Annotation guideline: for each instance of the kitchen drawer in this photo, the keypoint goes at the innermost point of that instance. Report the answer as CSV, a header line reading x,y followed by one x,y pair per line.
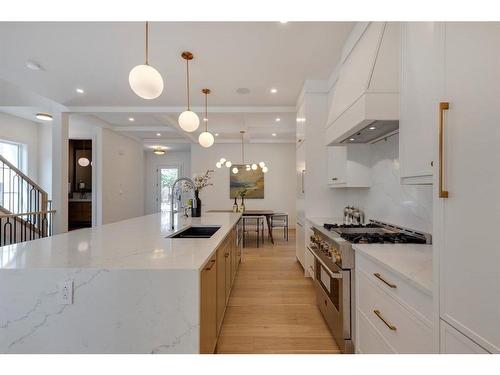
x,y
406,293
369,340
330,313
410,334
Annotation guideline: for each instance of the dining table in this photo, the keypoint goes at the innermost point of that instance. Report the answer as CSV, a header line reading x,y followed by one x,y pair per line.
x,y
266,213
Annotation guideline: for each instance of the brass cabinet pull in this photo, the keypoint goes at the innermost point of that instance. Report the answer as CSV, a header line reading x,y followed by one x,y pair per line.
x,y
212,262
390,326
443,106
378,276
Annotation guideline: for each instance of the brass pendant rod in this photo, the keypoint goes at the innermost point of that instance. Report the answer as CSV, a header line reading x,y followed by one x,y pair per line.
x,y
147,43
187,82
242,148
206,110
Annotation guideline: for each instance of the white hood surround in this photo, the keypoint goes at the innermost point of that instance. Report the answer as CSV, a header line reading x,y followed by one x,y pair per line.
x,y
367,90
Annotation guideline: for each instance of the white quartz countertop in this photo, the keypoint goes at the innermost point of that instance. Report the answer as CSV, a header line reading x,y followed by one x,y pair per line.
x,y
412,262
138,243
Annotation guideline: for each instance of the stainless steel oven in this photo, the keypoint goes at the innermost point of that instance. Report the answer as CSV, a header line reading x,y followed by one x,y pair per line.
x,y
333,296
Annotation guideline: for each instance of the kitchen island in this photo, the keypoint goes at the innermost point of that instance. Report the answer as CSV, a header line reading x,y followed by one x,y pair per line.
x,y
118,288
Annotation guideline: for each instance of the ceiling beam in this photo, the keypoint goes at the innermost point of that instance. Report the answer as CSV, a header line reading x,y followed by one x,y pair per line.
x,y
144,129
159,109
152,141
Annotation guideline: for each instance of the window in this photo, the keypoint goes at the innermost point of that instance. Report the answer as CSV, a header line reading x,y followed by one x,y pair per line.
x,y
12,152
167,176
9,184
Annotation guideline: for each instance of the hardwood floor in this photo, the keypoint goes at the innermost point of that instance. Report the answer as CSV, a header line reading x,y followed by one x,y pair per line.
x,y
272,308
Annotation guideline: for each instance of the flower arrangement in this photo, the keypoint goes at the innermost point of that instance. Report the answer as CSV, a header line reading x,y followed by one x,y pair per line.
x,y
200,182
242,192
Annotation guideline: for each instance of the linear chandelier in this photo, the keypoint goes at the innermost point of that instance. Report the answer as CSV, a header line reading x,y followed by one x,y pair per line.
x,y
248,166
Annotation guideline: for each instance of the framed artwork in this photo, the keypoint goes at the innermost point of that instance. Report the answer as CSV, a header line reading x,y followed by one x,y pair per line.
x,y
252,181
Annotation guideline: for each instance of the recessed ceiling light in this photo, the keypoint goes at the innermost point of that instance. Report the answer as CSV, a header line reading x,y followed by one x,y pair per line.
x,y
277,119
159,152
243,90
131,119
351,139
205,119
33,65
372,128
273,91
216,134
44,116
80,91
301,119
283,21
274,134
158,134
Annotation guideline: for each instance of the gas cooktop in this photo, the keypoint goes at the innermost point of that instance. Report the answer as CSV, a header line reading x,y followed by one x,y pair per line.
x,y
375,233
361,237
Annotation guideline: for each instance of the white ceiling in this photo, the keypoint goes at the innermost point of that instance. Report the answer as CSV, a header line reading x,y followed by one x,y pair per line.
x,y
97,57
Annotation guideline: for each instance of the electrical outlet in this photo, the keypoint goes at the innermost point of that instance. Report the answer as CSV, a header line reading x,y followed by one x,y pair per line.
x,y
66,292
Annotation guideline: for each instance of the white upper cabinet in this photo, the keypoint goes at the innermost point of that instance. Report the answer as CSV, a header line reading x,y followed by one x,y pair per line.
x,y
418,111
466,234
349,166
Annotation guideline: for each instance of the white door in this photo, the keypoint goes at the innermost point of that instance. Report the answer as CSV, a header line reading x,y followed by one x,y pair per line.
x,y
469,248
166,177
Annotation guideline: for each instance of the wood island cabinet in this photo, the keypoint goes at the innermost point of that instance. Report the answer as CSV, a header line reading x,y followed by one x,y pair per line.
x,y
216,278
208,317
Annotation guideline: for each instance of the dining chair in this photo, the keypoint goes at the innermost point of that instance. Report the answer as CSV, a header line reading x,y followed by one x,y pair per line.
x,y
253,224
280,220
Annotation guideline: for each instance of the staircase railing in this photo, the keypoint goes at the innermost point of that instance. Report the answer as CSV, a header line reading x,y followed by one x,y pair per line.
x,y
15,228
18,192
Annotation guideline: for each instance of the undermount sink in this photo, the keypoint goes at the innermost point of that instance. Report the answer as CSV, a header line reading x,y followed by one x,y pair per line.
x,y
196,232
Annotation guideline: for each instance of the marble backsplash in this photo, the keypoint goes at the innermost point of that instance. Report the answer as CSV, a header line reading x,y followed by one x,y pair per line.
x,y
387,200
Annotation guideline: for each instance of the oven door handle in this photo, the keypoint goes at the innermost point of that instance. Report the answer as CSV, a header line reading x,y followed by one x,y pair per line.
x,y
333,275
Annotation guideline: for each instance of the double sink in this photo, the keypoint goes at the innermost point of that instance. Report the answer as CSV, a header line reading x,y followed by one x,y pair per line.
x,y
196,232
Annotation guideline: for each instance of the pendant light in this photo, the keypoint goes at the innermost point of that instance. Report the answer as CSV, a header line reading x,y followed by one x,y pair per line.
x,y
145,80
188,120
83,161
206,138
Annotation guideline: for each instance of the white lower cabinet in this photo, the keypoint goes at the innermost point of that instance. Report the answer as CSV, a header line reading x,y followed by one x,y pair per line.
x,y
387,322
309,257
453,342
300,242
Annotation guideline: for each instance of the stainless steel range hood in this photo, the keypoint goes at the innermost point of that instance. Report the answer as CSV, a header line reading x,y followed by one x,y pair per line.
x,y
365,103
373,132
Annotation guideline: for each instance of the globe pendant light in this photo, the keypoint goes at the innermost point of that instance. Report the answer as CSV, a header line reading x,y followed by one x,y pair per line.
x,y
206,138
83,161
188,120
145,80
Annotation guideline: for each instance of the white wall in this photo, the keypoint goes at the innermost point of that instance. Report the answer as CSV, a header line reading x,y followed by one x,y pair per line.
x,y
279,182
122,177
118,170
152,163
45,157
